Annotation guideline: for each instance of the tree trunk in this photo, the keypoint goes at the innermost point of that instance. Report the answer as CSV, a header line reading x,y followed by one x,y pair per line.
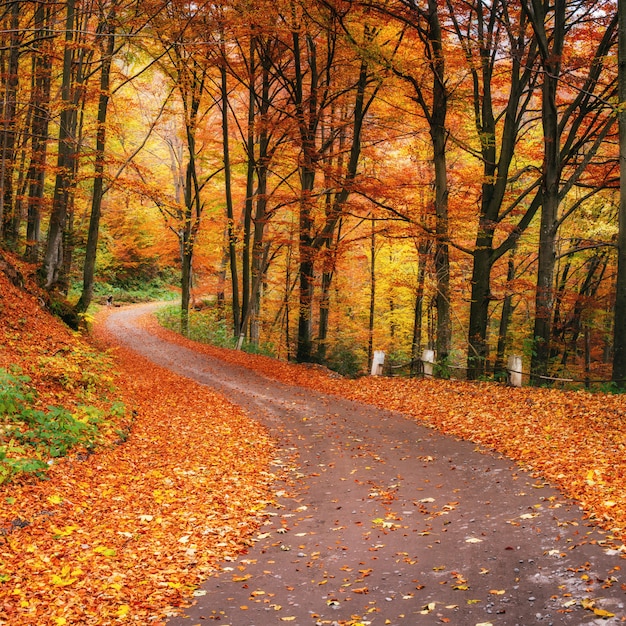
x,y
306,269
619,327
322,335
416,347
53,258
40,104
306,252
230,214
505,321
550,50
246,253
372,315
108,30
9,111
438,134
193,206
478,348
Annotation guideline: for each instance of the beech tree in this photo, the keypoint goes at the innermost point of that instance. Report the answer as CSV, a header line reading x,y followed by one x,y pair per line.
x,y
329,93
107,27
619,332
40,121
9,120
484,32
572,136
421,26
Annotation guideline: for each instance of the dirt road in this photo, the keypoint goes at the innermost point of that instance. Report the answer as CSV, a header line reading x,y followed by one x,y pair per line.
x,y
383,521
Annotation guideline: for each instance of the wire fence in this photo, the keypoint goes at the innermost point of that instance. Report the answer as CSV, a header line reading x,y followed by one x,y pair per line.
x,y
419,368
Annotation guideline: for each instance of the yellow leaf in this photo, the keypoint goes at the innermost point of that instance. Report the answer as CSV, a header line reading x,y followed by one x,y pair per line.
x,y
287,619
498,592
241,579
55,499
123,610
603,613
59,581
68,530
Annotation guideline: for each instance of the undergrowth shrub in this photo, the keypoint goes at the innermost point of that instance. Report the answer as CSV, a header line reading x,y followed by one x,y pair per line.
x,y
204,326
30,437
207,326
155,289
78,369
345,359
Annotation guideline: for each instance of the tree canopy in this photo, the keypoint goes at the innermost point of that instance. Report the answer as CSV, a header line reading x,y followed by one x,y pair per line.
x,y
331,177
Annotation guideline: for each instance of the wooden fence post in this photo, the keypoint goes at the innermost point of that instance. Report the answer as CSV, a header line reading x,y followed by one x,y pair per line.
x,y
428,361
378,361
514,370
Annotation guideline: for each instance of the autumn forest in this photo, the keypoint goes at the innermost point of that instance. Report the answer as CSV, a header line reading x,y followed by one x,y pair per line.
x,y
324,178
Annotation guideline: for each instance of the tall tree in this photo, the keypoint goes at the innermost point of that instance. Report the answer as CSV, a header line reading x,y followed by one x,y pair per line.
x,y
484,31
573,132
230,211
422,30
551,51
619,327
183,33
9,123
78,68
66,160
40,121
107,48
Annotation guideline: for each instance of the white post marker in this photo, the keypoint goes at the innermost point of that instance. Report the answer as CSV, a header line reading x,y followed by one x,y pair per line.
x,y
378,361
514,369
428,361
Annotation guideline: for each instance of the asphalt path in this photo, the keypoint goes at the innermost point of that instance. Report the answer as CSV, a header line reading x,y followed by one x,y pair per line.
x,y
380,520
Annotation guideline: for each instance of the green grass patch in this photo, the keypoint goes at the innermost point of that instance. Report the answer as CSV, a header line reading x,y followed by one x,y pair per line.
x,y
208,326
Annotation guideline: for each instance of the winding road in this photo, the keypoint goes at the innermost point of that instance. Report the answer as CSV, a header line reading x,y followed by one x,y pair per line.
x,y
383,521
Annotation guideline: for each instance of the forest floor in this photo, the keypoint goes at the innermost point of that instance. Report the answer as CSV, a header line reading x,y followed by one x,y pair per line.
x,y
113,536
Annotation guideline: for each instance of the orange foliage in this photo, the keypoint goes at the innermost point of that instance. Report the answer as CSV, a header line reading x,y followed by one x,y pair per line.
x,y
130,531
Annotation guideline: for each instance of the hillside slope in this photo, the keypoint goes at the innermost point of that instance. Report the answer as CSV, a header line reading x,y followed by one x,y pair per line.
x,y
126,529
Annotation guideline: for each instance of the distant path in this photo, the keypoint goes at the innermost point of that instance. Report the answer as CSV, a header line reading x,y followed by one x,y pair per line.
x,y
383,521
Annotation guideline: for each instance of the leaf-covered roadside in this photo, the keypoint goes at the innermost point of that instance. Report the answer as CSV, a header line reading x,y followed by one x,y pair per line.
x,y
56,390
575,440
128,532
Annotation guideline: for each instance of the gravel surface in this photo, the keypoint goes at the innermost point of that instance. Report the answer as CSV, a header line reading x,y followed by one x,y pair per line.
x,y
382,521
